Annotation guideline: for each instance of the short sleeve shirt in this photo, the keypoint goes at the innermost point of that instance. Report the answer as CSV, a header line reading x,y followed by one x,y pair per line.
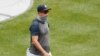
x,y
40,29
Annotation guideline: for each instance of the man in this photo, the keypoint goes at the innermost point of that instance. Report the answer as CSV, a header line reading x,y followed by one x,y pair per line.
x,y
39,44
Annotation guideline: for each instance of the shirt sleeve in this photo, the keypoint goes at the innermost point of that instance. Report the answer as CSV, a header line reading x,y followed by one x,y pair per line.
x,y
34,29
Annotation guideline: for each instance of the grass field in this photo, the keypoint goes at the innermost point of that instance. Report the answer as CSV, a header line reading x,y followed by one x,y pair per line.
x,y
74,25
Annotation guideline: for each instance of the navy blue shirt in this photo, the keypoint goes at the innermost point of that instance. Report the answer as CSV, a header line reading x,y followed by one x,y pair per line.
x,y
34,29
40,29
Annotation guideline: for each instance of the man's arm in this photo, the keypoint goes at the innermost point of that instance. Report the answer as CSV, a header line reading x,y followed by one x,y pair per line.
x,y
38,46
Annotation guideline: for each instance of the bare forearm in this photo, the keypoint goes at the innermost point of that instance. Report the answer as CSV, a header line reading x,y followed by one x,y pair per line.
x,y
39,47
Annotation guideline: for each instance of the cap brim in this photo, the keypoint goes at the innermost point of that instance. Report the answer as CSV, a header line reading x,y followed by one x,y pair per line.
x,y
47,9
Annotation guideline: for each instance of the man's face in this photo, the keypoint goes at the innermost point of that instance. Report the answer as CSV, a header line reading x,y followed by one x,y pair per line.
x,y
44,13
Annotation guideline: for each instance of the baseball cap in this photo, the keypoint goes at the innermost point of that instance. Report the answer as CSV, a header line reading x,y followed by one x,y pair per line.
x,y
42,8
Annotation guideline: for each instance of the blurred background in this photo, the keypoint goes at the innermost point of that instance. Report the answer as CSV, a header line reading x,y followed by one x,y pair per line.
x,y
74,25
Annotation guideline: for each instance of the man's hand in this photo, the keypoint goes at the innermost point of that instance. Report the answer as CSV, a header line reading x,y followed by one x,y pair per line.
x,y
46,54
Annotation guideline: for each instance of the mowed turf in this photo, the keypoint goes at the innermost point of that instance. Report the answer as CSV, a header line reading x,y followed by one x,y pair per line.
x,y
74,25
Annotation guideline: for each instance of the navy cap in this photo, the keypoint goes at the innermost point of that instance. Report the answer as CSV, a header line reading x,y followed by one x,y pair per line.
x,y
41,8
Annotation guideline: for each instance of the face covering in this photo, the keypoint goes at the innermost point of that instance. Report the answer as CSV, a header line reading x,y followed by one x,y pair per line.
x,y
43,18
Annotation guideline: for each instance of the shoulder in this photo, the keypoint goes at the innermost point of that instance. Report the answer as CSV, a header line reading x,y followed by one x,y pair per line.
x,y
35,23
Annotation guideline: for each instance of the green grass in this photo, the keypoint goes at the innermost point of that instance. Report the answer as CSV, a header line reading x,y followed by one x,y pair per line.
x,y
74,25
